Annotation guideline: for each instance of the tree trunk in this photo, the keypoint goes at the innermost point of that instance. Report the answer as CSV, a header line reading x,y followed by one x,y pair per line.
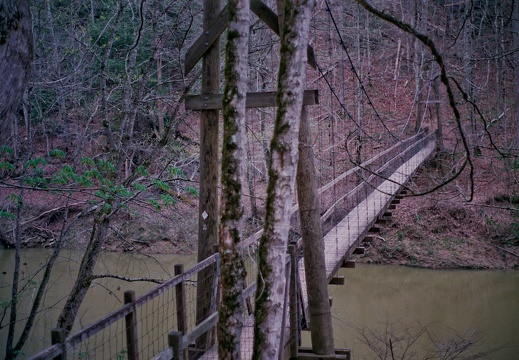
x,y
282,170
515,30
16,53
230,321
86,270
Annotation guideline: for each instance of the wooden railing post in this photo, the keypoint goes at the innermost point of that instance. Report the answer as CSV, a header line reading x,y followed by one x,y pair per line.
x,y
57,336
180,297
132,339
175,341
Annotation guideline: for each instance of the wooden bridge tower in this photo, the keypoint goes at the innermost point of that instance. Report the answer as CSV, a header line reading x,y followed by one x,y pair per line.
x,y
209,103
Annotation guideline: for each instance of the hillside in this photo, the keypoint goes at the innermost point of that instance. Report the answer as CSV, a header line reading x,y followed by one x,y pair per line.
x,y
105,129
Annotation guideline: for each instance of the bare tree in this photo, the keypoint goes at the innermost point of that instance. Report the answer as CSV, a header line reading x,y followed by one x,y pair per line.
x,y
230,320
515,30
282,171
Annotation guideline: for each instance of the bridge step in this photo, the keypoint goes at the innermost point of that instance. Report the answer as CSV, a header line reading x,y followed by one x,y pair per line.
x,y
305,353
348,264
395,202
388,214
391,207
374,229
368,239
361,250
337,280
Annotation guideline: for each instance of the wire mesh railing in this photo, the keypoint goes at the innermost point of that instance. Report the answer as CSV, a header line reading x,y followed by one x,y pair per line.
x,y
163,323
140,328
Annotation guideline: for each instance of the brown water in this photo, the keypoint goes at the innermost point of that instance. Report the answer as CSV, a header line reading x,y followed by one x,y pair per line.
x,y
442,300
106,295
372,297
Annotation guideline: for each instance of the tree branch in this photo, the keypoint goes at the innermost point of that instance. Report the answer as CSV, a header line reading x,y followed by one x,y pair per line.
x,y
427,41
127,279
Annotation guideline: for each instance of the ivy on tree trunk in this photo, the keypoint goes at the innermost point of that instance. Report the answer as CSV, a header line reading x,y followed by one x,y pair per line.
x,y
233,156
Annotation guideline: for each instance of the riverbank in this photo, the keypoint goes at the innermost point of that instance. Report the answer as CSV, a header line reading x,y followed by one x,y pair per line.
x,y
441,234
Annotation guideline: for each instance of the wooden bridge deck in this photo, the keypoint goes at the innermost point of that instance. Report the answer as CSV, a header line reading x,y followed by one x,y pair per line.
x,y
344,238
340,241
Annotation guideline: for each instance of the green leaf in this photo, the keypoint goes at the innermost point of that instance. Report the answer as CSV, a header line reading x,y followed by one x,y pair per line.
x,y
6,166
123,192
103,195
139,186
143,171
35,162
6,215
161,185
155,203
107,208
193,191
6,150
168,200
36,181
15,198
176,172
88,161
57,153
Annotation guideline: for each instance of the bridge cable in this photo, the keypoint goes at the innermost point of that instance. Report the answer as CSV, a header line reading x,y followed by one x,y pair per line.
x,y
354,70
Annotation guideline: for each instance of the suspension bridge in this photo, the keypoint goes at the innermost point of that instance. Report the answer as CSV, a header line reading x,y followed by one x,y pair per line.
x,y
162,324
177,320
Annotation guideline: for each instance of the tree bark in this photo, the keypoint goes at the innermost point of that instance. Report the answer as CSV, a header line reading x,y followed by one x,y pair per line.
x,y
515,30
16,54
86,270
233,164
282,170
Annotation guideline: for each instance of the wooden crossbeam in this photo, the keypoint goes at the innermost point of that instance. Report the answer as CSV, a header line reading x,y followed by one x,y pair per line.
x,y
206,40
254,100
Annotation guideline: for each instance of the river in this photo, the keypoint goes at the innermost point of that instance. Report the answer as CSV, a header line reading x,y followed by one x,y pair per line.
x,y
374,298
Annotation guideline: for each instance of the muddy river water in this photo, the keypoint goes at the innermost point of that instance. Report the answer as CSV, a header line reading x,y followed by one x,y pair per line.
x,y
375,299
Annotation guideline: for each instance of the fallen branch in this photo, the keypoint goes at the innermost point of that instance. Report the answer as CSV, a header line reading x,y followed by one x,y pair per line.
x,y
508,251
124,278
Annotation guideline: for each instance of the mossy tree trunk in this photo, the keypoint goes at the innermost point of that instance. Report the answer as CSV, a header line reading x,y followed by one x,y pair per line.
x,y
282,170
233,157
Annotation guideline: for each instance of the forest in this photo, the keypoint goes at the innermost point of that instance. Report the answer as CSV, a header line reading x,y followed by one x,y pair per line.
x,y
101,152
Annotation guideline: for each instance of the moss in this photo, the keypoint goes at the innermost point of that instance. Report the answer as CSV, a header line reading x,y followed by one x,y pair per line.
x,y
233,273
